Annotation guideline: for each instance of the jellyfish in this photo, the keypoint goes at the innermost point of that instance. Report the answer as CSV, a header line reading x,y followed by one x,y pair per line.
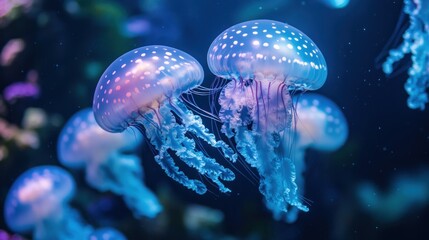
x,y
38,201
318,124
106,233
336,3
264,60
143,88
407,192
82,143
415,42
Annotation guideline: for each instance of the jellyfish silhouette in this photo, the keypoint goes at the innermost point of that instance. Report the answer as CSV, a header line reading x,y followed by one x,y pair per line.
x,y
106,234
416,43
318,124
264,60
38,201
82,143
335,3
143,88
407,192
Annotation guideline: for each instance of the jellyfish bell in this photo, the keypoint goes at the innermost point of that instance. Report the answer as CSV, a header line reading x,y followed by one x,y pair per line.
x,y
141,80
82,141
38,201
37,195
319,124
142,88
264,60
268,50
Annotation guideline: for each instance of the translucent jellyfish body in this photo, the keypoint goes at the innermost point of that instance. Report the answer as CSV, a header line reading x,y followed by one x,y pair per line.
x,y
318,124
106,234
108,161
264,59
142,88
408,192
38,201
335,3
415,42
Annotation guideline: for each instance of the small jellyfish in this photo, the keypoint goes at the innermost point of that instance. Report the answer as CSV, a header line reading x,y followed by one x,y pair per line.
x,y
264,60
336,3
82,143
38,201
143,88
318,124
407,192
416,43
106,234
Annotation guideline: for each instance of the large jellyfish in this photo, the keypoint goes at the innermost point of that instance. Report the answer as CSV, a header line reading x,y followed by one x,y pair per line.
x,y
38,201
318,124
82,143
416,43
264,60
106,234
143,88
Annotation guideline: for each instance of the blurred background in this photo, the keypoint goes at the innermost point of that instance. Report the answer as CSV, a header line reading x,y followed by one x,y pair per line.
x,y
375,187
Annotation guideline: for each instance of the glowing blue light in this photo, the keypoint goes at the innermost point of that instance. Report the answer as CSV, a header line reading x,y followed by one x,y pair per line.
x,y
264,59
143,88
416,43
336,3
318,124
38,201
82,143
407,192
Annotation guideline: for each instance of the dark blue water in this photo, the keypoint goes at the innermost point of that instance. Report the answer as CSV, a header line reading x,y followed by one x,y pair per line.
x,y
69,48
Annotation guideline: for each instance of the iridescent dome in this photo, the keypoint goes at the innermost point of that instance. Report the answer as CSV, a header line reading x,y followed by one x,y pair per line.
x,y
82,141
141,79
37,194
267,49
319,122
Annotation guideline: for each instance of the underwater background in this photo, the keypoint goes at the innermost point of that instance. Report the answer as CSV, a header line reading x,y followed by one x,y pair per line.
x,y
376,186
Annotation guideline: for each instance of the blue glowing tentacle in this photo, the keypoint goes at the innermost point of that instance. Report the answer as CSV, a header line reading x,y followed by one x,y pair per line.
x,y
246,146
272,118
415,42
122,174
164,159
278,185
397,54
127,171
194,124
171,136
418,80
235,115
297,157
67,225
405,48
267,104
184,148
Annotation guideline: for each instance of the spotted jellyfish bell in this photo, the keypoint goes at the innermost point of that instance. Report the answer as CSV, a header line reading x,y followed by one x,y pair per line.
x,y
38,202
